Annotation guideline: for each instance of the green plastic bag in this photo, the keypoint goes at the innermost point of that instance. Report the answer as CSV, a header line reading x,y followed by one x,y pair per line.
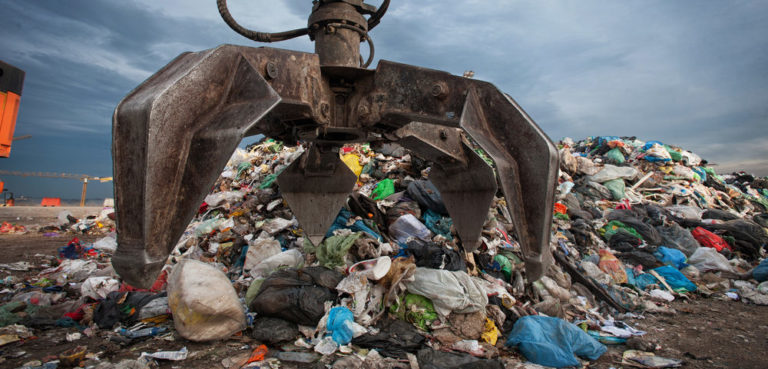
x,y
383,189
506,265
415,309
674,154
331,252
613,226
617,188
615,155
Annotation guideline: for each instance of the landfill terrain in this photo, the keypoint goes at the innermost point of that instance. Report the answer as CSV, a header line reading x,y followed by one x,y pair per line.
x,y
659,261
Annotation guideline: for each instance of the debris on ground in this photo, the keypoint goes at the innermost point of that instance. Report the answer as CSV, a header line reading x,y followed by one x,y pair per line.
x,y
637,225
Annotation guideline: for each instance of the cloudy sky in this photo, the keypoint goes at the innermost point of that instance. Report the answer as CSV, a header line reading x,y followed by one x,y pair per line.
x,y
690,73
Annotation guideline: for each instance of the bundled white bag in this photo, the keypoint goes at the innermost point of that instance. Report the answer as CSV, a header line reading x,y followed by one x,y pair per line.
x,y
204,304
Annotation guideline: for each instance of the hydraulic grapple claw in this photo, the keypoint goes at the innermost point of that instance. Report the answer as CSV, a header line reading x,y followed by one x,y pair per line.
x,y
173,134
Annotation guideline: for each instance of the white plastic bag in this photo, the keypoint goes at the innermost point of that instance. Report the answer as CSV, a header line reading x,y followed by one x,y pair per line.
x,y
291,258
259,250
408,226
98,288
449,291
610,172
204,304
219,198
707,258
107,244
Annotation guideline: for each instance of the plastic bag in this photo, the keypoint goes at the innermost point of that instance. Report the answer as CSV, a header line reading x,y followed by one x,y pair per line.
x,y
296,295
415,309
611,265
617,188
291,258
408,226
611,172
449,291
615,155
671,257
675,279
427,195
679,238
353,162
430,255
760,273
333,250
224,197
98,288
383,189
274,330
339,325
553,342
107,244
259,250
707,259
204,304
438,224
709,239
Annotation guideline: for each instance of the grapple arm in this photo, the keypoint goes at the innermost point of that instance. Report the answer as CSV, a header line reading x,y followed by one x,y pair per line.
x,y
174,133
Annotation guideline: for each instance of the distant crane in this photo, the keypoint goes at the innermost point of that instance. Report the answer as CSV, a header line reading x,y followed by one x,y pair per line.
x,y
82,177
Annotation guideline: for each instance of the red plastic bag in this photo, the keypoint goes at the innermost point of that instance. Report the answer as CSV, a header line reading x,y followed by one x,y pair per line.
x,y
560,208
709,239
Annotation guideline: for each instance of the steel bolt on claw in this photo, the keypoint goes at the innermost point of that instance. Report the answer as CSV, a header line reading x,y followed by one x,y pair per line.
x,y
174,133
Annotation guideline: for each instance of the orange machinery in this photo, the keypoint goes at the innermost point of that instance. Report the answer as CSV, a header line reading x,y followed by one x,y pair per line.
x,y
11,82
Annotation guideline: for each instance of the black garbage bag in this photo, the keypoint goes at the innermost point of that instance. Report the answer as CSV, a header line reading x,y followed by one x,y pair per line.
x,y
650,235
427,195
122,307
638,257
274,330
582,232
395,339
718,214
297,295
677,237
655,215
624,241
431,359
404,206
431,255
750,236
365,207
761,219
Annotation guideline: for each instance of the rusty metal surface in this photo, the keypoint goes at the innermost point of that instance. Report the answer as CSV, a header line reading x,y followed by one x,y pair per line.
x,y
315,187
174,133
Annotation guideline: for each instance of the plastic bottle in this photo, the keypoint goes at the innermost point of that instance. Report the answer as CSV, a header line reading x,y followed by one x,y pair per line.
x,y
142,332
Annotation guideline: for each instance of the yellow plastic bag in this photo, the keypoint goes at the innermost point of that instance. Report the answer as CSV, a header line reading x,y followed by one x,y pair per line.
x,y
353,162
490,332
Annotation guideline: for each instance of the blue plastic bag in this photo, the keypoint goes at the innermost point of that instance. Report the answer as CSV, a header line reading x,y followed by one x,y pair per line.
x,y
671,257
645,279
339,319
357,226
552,341
760,273
675,279
438,224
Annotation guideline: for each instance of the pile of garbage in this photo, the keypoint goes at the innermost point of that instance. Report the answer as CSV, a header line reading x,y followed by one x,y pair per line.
x,y
637,225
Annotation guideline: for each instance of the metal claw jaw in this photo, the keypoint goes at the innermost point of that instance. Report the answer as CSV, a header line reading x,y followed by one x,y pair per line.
x,y
174,133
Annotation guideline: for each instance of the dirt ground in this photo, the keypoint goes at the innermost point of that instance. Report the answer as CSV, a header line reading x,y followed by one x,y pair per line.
x,y
706,333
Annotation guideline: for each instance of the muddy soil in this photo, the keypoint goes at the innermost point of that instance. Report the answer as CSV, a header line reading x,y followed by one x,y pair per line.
x,y
705,333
